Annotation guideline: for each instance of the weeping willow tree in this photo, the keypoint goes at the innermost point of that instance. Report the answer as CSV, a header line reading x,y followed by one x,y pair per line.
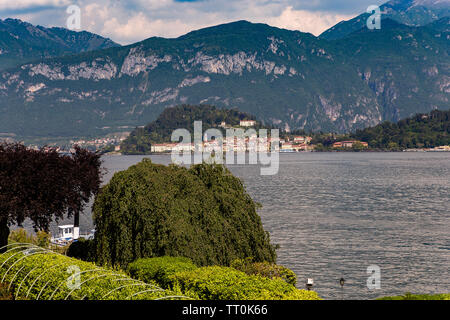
x,y
203,213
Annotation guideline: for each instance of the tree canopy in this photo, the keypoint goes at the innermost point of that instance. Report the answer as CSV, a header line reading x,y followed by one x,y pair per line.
x,y
203,213
419,131
424,130
43,185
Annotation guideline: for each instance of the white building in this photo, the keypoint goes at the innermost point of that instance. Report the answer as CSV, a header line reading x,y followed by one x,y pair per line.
x,y
163,147
247,123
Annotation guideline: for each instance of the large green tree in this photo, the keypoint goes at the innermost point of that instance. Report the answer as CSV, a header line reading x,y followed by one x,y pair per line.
x,y
203,213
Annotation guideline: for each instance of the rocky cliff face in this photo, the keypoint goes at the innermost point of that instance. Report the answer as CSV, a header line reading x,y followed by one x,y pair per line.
x,y
287,78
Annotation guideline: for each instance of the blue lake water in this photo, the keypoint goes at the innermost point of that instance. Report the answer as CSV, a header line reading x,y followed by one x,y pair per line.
x,y
335,214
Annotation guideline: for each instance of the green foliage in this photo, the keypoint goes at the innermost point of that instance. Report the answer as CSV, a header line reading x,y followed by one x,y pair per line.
x,y
38,275
82,249
159,269
184,116
427,130
409,296
358,146
265,269
203,213
20,235
43,239
420,131
225,283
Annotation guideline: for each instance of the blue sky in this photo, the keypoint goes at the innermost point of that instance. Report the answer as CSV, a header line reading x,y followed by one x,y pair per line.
x,y
128,21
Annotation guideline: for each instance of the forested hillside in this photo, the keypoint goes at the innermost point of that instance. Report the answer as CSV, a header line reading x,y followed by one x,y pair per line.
x,y
420,131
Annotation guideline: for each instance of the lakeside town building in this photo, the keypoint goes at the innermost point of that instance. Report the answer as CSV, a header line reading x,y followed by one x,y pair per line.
x,y
349,144
247,144
247,123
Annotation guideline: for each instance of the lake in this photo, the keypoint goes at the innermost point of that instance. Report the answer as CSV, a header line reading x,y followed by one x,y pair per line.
x,y
336,214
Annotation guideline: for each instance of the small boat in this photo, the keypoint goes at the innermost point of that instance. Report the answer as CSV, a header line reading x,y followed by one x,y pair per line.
x,y
68,234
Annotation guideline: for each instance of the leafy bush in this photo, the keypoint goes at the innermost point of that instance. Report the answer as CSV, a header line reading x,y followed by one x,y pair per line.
x,y
203,213
20,235
265,269
40,274
42,239
225,283
159,269
409,296
82,249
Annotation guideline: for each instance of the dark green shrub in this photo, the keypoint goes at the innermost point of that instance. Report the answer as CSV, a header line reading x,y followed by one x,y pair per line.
x,y
82,249
225,283
265,269
159,269
203,213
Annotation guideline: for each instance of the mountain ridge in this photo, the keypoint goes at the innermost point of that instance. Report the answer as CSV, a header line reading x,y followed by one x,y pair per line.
x,y
23,42
286,78
408,12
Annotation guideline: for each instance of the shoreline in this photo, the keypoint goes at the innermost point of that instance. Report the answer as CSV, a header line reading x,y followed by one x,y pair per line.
x,y
297,152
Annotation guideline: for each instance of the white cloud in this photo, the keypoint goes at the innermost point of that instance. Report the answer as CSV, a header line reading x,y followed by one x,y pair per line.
x,y
135,20
131,26
23,4
306,21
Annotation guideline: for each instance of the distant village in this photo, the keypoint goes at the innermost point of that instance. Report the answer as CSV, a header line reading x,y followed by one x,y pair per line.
x,y
111,143
289,143
286,144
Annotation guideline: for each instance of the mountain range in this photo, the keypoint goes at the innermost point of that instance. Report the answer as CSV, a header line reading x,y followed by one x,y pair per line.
x,y
21,42
286,78
409,12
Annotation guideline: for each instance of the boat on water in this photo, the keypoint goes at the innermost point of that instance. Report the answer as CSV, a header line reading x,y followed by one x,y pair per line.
x,y
68,234
288,151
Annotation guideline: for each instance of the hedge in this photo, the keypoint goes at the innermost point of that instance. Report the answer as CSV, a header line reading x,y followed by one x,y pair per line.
x,y
36,273
409,296
225,283
265,269
159,269
83,250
